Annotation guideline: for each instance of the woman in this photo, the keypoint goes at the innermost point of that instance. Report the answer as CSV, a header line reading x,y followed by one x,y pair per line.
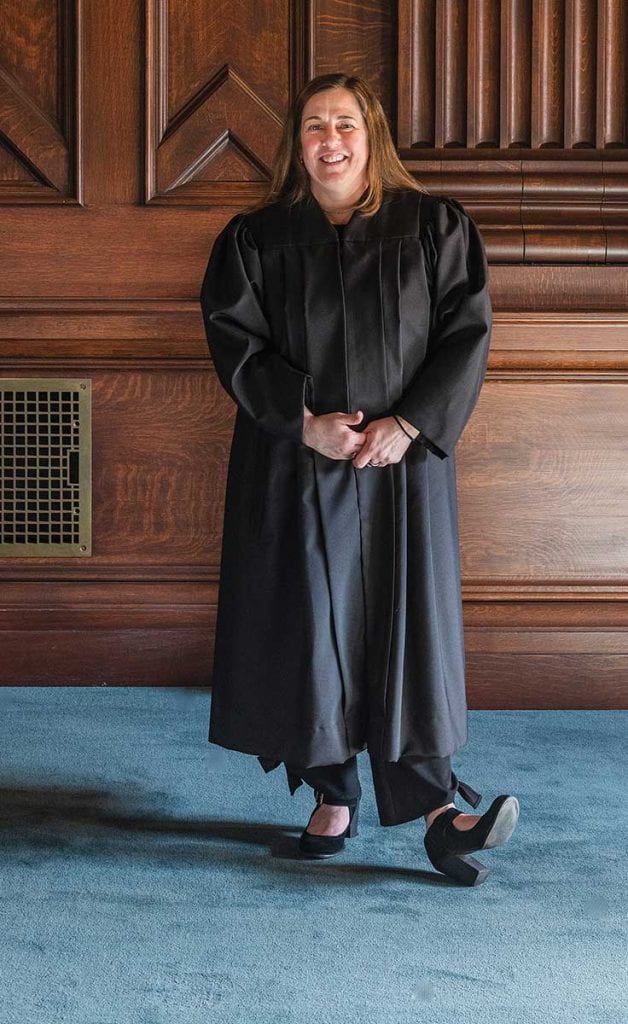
x,y
348,317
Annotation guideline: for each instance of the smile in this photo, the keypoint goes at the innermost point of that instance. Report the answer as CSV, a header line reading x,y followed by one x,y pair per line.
x,y
333,159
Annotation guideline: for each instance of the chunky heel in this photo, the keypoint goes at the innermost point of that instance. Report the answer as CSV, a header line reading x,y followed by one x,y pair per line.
x,y
462,868
449,848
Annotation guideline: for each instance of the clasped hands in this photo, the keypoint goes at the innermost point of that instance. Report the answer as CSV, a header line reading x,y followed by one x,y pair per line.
x,y
379,444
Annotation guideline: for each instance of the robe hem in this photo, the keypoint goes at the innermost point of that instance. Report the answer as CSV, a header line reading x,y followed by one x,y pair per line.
x,y
242,749
282,757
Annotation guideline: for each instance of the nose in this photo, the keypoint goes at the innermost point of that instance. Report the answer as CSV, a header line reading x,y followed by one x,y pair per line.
x,y
331,136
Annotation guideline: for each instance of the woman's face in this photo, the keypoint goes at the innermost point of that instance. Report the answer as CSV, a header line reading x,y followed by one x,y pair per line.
x,y
334,144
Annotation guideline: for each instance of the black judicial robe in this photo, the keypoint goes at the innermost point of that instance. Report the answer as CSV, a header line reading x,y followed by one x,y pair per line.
x,y
339,623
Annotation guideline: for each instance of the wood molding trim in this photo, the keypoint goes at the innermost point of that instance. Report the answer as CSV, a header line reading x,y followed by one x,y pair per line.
x,y
519,111
161,634
170,336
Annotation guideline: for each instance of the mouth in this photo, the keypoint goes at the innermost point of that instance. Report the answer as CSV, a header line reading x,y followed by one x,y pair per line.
x,y
337,158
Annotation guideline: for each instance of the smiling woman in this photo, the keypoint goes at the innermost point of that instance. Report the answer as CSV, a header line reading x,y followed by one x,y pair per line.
x,y
355,364
335,151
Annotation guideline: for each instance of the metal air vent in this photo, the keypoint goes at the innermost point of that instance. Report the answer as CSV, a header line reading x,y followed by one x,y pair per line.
x,y
45,467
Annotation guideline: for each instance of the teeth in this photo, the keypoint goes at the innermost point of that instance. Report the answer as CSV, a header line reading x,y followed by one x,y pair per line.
x,y
332,159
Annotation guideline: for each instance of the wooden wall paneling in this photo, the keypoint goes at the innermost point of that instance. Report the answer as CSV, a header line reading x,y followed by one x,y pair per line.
x,y
213,114
536,343
548,72
451,76
575,652
546,652
516,108
40,102
159,442
552,677
549,147
612,63
580,74
173,656
552,512
357,39
97,333
106,633
560,214
515,62
416,74
555,315
558,312
484,75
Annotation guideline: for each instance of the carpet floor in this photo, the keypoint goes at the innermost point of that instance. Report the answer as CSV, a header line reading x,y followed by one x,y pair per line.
x,y
149,877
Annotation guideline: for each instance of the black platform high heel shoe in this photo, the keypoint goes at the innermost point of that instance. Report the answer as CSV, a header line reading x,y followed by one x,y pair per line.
x,y
327,846
448,847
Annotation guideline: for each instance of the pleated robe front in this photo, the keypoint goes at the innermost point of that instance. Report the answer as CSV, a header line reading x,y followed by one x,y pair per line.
x,y
339,622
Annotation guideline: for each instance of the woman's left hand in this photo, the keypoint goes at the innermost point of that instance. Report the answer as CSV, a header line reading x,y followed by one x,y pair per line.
x,y
385,443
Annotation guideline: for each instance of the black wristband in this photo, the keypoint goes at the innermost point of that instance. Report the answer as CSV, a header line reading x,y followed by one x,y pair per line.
x,y
404,429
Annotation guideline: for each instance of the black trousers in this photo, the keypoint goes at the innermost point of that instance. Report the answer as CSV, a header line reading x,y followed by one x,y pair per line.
x,y
404,790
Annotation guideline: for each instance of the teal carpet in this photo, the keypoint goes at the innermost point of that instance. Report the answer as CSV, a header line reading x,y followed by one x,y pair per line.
x,y
148,877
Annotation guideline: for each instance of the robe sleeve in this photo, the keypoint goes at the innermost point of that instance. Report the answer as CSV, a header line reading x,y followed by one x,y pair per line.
x,y
442,395
255,375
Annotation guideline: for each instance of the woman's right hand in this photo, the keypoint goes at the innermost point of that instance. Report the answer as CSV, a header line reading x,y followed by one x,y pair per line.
x,y
331,433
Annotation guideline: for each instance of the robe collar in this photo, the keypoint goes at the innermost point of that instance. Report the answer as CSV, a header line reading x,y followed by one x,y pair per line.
x,y
311,223
314,208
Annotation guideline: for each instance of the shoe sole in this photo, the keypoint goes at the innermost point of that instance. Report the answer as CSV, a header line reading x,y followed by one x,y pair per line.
x,y
504,824
323,854
318,856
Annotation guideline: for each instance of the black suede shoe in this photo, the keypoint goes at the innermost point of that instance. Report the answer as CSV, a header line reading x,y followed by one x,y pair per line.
x,y
448,847
319,847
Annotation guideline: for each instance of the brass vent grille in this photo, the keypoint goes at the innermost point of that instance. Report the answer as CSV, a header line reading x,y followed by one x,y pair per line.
x,y
45,467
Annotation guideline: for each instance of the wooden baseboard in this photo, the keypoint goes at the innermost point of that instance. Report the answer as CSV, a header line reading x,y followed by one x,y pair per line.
x,y
106,634
519,655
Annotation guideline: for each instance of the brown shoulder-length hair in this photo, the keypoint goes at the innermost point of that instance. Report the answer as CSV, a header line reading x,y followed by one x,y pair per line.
x,y
291,181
